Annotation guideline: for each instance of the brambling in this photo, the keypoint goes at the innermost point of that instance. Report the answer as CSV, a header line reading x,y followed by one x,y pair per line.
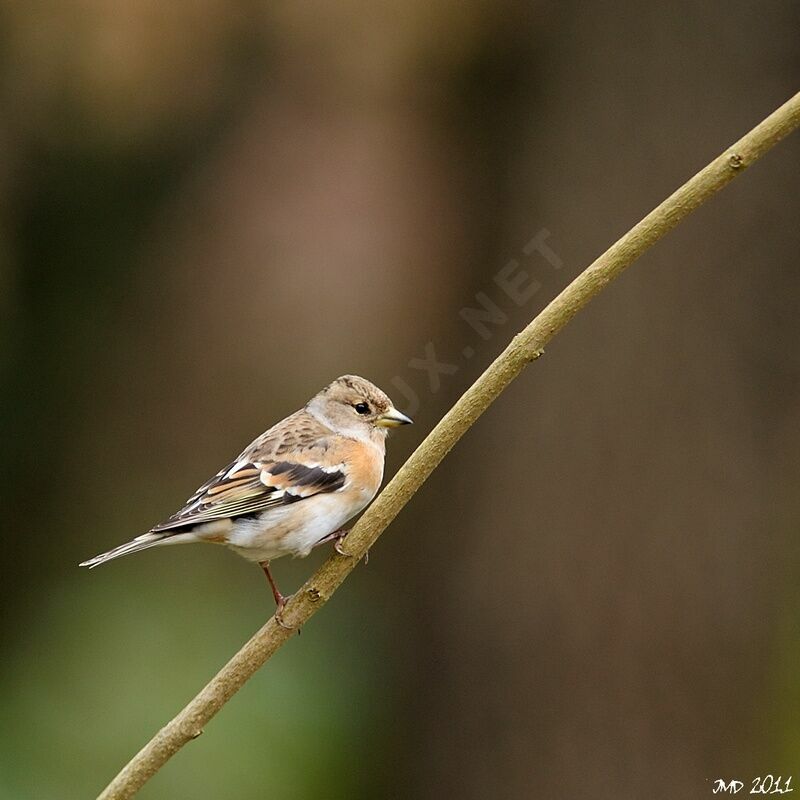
x,y
292,488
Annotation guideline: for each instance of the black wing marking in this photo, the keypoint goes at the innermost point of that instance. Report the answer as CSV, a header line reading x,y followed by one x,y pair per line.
x,y
251,487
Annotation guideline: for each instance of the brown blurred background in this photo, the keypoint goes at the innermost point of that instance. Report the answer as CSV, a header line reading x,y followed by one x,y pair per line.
x,y
210,209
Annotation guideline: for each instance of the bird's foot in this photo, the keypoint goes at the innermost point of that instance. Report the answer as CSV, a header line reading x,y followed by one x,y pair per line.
x,y
337,546
337,542
281,603
280,600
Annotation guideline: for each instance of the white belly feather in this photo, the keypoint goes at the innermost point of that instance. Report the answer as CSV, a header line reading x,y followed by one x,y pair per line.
x,y
294,529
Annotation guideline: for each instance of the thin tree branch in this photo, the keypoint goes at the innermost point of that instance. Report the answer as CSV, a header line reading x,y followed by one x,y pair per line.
x,y
524,348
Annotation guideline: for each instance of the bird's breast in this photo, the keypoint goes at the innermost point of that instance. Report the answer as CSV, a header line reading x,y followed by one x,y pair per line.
x,y
364,468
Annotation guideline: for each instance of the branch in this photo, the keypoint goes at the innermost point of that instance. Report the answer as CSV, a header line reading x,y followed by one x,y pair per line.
x,y
525,347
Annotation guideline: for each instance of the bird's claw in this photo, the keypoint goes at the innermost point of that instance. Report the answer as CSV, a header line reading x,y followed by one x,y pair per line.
x,y
337,545
279,614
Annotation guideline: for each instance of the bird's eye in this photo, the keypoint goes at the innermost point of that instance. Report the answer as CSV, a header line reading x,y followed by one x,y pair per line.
x,y
361,408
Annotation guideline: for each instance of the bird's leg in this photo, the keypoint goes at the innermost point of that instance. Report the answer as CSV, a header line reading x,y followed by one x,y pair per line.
x,y
337,541
338,537
335,537
280,600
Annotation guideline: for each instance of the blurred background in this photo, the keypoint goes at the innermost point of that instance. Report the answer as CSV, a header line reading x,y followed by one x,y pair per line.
x,y
208,210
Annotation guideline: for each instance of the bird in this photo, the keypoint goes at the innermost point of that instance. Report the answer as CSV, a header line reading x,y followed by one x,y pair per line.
x,y
293,487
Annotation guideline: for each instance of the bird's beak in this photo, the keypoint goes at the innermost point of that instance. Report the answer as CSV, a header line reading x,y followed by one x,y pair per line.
x,y
392,418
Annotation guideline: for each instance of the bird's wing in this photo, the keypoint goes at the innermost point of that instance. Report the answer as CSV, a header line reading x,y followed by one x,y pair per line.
x,y
286,464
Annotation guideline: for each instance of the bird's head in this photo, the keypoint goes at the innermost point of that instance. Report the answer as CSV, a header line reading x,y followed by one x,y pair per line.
x,y
352,406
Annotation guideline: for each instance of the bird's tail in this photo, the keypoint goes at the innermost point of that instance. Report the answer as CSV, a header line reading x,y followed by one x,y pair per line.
x,y
139,543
